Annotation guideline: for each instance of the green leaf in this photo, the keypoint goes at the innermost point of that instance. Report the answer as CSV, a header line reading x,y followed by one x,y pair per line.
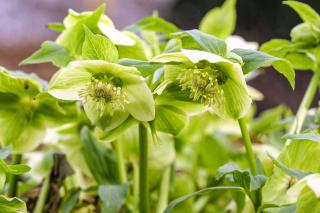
x,y
100,160
267,120
56,26
276,47
17,169
98,47
11,205
49,52
299,59
252,185
302,60
153,24
304,136
220,21
173,45
73,36
289,171
69,201
206,42
254,59
306,13
146,68
291,208
172,204
113,197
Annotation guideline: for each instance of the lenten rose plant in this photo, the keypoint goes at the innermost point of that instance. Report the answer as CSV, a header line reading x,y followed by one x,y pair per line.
x,y
153,118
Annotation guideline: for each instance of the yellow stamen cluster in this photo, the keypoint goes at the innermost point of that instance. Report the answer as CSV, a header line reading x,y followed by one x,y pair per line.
x,y
107,97
202,83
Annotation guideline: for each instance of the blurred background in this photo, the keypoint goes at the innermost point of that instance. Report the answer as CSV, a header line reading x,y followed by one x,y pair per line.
x,y
23,29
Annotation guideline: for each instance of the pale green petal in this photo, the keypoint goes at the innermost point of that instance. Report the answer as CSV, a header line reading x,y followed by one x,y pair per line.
x,y
103,119
235,101
25,131
116,36
18,86
67,83
255,94
196,55
73,36
173,96
139,50
170,119
172,58
141,104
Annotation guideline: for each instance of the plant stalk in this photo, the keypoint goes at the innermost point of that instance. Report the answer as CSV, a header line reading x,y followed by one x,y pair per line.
x,y
120,161
305,103
164,191
39,208
13,180
248,145
136,170
143,172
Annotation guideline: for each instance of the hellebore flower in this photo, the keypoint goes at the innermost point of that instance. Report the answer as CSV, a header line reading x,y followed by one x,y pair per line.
x,y
109,92
25,111
73,35
208,79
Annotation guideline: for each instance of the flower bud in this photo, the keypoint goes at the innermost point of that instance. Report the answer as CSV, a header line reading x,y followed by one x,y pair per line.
x,y
305,32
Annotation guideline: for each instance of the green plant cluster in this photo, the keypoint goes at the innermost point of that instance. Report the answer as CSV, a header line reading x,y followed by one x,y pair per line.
x,y
158,119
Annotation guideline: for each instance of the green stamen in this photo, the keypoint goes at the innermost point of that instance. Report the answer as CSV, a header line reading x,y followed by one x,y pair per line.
x,y
108,97
203,83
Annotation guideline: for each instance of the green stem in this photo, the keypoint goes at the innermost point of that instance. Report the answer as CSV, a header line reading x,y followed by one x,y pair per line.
x,y
305,103
143,174
120,161
13,180
42,196
164,191
135,166
248,145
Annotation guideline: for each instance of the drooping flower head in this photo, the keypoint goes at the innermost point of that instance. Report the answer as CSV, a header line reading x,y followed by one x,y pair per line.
x,y
208,79
26,111
109,92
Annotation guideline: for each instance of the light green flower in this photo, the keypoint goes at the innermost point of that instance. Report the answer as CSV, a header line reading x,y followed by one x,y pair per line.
x,y
208,79
109,92
25,111
72,36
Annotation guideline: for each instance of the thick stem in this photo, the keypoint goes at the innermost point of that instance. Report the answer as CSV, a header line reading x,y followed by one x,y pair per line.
x,y
39,208
13,180
305,103
143,174
248,145
120,161
164,191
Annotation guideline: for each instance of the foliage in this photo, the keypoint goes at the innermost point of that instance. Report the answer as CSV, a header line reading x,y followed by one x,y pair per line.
x,y
149,118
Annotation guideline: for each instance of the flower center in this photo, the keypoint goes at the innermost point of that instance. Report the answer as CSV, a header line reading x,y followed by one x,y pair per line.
x,y
203,83
108,97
